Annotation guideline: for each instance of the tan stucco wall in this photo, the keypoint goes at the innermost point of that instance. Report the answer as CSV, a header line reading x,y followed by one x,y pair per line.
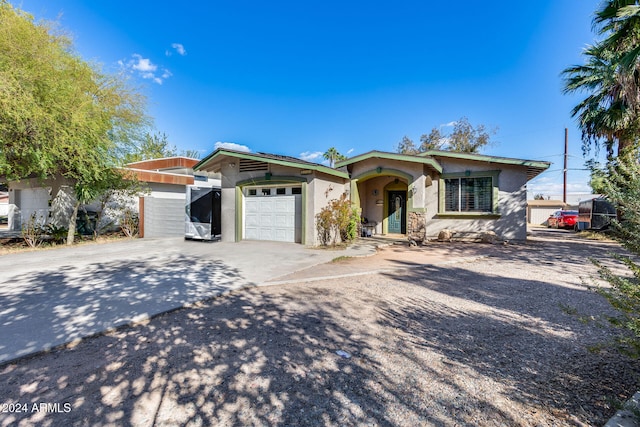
x,y
414,171
322,189
317,185
509,222
512,202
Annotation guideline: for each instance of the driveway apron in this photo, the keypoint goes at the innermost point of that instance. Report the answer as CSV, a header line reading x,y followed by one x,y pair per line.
x,y
53,297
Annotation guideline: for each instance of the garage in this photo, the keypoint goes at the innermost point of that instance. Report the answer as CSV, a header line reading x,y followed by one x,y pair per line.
x,y
273,213
163,216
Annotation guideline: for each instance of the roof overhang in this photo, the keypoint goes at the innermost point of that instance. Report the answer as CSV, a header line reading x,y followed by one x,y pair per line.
x,y
534,167
214,162
429,161
160,177
164,163
546,203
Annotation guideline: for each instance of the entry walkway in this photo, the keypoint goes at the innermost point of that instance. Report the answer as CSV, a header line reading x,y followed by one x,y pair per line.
x,y
53,297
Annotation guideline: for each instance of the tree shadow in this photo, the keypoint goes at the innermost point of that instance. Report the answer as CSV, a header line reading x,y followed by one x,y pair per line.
x,y
256,357
430,345
47,308
520,331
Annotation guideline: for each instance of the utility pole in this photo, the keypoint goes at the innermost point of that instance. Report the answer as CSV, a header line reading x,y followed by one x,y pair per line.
x,y
566,149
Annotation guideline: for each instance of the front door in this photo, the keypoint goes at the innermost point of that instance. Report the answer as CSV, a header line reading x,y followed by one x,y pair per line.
x,y
397,216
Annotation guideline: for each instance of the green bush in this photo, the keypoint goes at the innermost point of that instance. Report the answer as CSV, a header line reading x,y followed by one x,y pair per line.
x,y
55,233
337,220
622,187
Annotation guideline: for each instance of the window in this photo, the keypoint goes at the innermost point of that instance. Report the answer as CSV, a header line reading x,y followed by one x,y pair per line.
x,y
281,191
266,191
296,190
252,192
468,194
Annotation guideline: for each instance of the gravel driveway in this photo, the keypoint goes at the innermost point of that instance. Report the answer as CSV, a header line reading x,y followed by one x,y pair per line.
x,y
442,335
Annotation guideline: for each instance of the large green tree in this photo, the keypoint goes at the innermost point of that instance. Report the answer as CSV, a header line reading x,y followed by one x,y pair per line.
x,y
152,146
156,146
59,115
407,146
464,138
610,115
610,77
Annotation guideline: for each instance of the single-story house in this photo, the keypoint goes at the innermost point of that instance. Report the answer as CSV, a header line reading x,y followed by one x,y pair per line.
x,y
161,209
273,197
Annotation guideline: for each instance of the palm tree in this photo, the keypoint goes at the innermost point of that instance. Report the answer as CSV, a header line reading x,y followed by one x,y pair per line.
x,y
333,156
611,111
604,114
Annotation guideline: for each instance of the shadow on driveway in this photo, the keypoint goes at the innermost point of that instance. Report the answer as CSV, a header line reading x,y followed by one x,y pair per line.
x,y
41,310
482,343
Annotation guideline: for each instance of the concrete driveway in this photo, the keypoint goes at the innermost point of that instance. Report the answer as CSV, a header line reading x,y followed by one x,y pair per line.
x,y
52,297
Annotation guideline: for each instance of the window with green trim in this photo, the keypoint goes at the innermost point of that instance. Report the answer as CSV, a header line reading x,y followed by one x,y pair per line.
x,y
468,194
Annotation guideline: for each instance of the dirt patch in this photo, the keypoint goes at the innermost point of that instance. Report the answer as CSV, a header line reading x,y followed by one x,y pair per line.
x,y
483,338
10,245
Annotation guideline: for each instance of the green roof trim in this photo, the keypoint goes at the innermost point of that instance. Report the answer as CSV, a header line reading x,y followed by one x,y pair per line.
x,y
534,167
392,156
485,158
270,158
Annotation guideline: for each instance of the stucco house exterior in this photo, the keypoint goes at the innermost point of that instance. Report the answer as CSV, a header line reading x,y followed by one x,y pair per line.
x,y
272,197
161,207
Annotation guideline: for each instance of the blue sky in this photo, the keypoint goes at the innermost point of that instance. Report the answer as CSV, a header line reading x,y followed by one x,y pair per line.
x,y
296,78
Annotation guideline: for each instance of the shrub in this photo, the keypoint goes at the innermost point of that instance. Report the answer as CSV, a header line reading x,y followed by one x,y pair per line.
x,y
622,187
32,231
337,220
129,223
55,233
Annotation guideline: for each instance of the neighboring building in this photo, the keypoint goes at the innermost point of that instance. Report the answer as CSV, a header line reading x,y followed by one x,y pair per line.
x,y
538,211
271,197
4,208
161,209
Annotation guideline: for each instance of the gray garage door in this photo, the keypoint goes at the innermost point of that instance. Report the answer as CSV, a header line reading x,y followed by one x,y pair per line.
x,y
273,217
164,217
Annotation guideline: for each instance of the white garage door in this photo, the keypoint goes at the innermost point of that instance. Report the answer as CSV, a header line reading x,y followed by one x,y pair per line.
x,y
276,218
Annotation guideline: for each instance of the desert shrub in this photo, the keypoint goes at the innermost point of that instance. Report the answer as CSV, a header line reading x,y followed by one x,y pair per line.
x,y
325,225
55,233
622,187
337,220
129,223
32,230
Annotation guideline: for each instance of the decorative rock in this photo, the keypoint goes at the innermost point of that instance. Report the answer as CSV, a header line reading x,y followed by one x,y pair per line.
x,y
446,235
489,237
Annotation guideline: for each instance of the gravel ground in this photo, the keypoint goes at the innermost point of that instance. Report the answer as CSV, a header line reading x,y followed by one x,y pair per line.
x,y
496,338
